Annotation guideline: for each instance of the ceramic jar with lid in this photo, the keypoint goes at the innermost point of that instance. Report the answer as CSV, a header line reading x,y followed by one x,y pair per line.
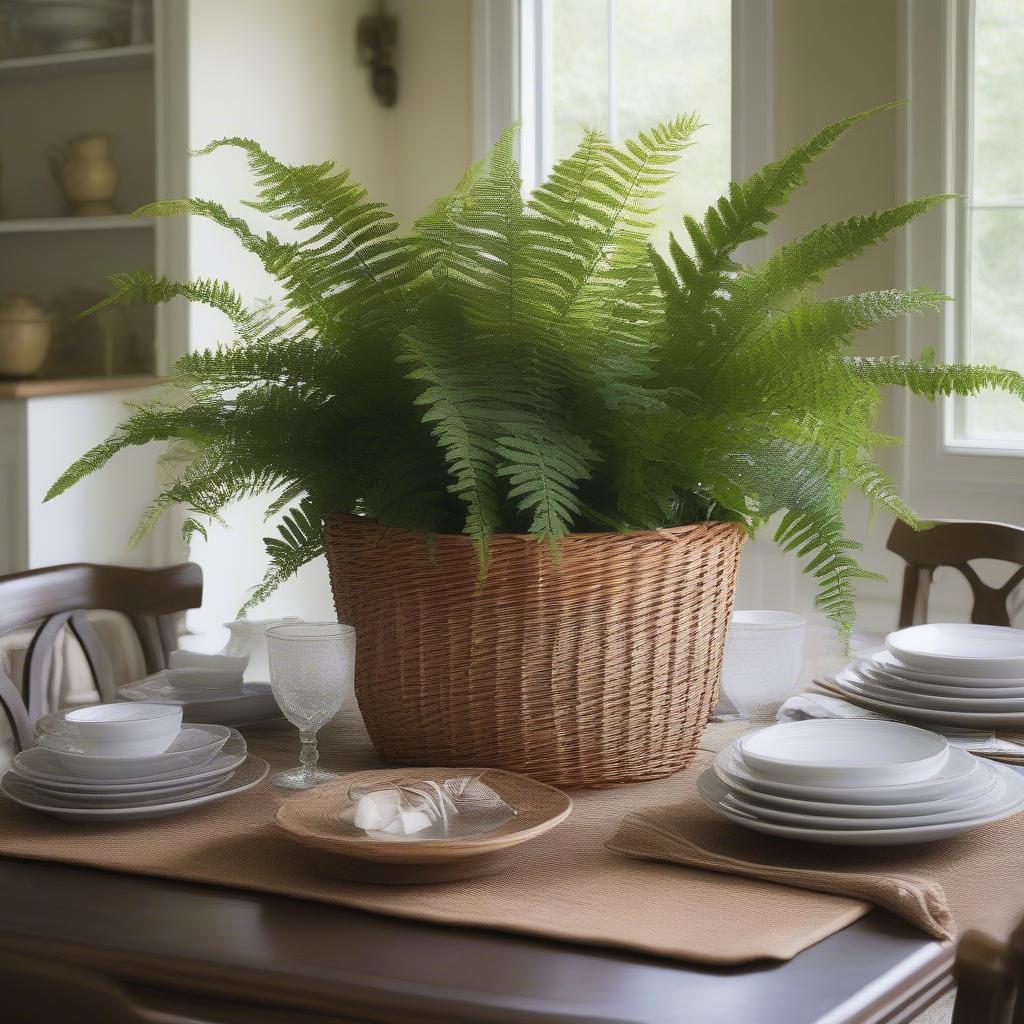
x,y
25,333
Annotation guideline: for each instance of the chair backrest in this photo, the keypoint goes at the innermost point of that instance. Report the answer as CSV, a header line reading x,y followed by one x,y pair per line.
x,y
956,543
30,991
986,982
59,596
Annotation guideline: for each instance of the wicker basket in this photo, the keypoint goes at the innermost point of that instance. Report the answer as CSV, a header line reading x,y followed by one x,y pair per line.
x,y
596,670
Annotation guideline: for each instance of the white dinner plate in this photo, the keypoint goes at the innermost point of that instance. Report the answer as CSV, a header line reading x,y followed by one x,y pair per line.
x,y
844,752
256,705
991,798
193,746
975,787
42,793
714,791
873,669
961,648
952,779
927,716
892,691
252,772
40,765
888,662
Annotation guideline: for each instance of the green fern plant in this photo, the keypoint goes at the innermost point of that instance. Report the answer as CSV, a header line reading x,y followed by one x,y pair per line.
x,y
535,366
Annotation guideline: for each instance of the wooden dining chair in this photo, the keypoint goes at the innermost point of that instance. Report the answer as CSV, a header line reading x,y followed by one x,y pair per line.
x,y
56,598
55,994
986,982
956,543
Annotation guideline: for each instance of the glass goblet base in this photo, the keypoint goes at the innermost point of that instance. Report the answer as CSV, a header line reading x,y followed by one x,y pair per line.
x,y
301,777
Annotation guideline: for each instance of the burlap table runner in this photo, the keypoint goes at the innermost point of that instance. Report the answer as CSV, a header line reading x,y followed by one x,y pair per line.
x,y
565,885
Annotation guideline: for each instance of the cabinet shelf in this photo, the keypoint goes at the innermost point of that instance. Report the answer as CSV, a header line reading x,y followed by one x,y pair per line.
x,y
111,222
111,59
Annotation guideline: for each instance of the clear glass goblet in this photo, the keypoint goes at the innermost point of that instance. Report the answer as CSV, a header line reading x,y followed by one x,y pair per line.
x,y
312,667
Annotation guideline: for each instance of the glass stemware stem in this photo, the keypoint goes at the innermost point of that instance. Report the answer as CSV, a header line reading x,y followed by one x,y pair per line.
x,y
308,755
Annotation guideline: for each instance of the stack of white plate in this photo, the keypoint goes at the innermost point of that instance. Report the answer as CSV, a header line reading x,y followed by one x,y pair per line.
x,y
857,783
208,696
121,762
951,675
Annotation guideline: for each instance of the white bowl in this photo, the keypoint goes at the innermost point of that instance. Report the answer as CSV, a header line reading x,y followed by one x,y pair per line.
x,y
961,648
120,722
845,753
195,745
201,682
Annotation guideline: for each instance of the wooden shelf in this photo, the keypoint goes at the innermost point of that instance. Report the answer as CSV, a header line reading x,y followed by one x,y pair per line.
x,y
111,222
41,387
116,58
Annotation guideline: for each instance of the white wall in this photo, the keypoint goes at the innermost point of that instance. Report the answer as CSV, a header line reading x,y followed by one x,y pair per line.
x,y
285,75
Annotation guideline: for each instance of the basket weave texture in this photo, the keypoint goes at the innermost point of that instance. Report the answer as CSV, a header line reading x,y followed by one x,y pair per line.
x,y
598,669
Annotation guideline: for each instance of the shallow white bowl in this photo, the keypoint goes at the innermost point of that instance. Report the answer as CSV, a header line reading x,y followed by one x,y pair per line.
x,y
960,776
192,746
201,682
217,662
845,753
961,648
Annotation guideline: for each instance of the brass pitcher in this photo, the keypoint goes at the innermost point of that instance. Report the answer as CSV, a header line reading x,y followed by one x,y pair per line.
x,y
85,172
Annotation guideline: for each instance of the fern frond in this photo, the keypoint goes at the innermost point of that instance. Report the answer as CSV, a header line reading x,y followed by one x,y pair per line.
x,y
931,380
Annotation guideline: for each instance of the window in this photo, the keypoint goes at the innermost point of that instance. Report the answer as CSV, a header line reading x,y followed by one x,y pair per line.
x,y
623,65
990,317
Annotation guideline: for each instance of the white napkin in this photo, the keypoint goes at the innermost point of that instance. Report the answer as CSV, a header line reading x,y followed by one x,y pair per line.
x,y
821,705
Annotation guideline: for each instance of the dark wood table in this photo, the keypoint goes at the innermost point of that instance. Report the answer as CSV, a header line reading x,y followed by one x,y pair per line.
x,y
203,953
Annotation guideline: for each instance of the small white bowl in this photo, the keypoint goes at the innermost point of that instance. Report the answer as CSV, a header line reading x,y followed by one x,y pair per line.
x,y
844,753
116,730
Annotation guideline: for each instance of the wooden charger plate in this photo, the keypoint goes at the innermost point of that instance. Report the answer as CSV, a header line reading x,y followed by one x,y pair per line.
x,y
314,820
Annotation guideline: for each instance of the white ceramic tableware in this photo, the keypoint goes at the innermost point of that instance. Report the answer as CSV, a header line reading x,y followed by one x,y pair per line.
x,y
252,772
954,778
856,693
255,704
714,791
193,746
115,730
1000,689
888,662
202,682
40,765
961,648
975,787
181,791
991,798
844,753
923,699
217,662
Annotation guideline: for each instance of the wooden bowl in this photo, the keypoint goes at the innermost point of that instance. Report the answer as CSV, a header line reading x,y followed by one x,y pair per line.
x,y
314,819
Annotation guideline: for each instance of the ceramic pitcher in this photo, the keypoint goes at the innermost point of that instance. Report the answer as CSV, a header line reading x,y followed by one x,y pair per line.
x,y
87,175
248,638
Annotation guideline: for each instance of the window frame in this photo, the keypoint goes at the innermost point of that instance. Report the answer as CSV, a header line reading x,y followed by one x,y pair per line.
x,y
936,249
512,66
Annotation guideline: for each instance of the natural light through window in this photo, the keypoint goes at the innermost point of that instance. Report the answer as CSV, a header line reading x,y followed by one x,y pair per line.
x,y
992,280
624,64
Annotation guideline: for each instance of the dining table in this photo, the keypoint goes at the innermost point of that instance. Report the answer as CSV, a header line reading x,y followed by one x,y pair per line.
x,y
201,953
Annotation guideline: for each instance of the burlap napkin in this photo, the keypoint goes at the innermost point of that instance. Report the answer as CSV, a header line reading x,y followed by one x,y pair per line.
x,y
943,887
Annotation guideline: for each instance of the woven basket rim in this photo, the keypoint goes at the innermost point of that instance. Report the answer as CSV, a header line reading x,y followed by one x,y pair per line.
x,y
662,533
